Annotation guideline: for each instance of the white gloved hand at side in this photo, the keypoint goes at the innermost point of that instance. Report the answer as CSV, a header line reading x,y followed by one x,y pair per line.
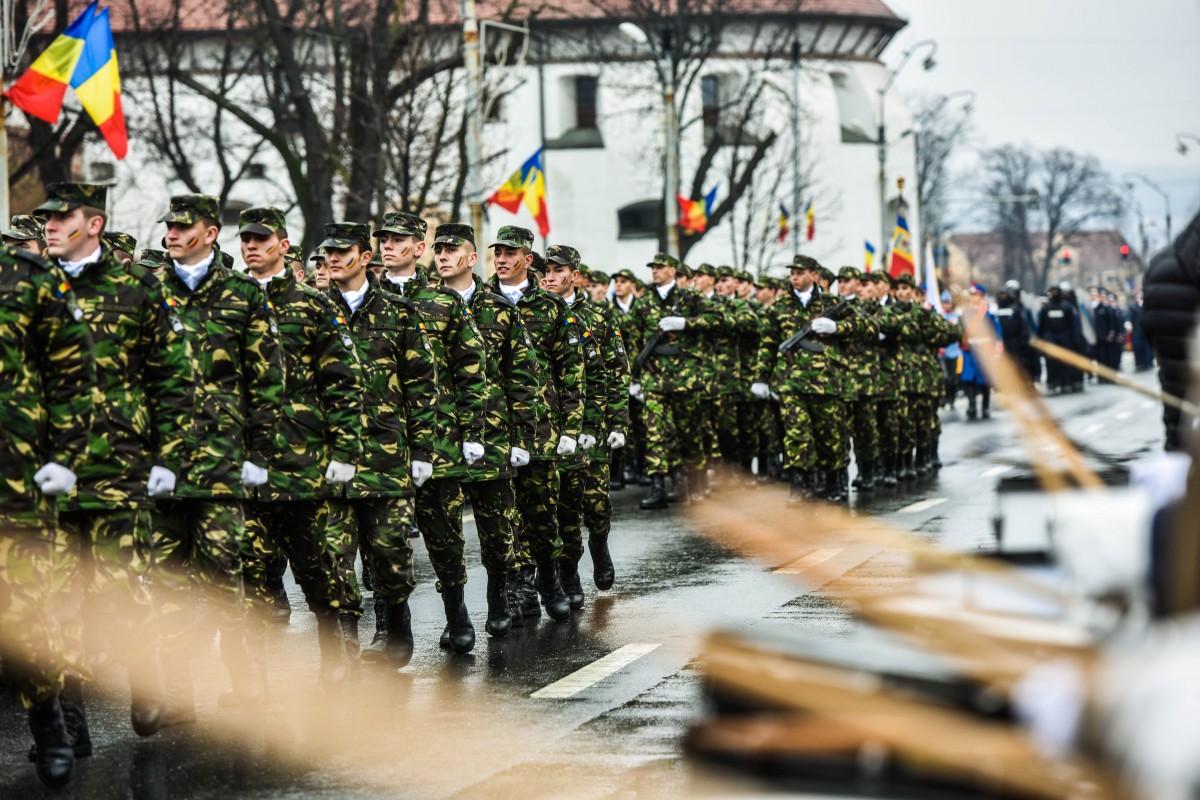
x,y
161,482
421,472
472,452
586,441
616,440
54,479
672,324
518,457
253,475
760,390
339,472
824,325
635,389
566,446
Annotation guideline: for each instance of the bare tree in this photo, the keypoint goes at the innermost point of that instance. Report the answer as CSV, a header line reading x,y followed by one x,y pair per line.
x,y
1010,174
943,130
1074,193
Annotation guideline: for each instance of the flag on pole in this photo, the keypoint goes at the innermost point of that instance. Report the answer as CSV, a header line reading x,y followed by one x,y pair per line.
x,y
694,214
869,256
84,58
933,294
527,185
784,221
809,220
902,257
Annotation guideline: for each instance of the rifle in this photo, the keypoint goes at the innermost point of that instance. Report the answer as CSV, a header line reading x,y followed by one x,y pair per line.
x,y
656,337
800,337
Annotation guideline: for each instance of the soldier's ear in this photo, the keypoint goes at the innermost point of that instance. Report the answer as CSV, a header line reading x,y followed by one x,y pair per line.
x,y
473,258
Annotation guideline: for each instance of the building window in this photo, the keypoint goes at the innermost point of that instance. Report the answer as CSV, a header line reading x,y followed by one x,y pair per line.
x,y
231,211
854,108
102,172
710,98
585,101
640,220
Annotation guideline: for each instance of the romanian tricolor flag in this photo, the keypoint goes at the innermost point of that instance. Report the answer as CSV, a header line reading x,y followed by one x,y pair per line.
x,y
82,57
527,184
869,255
902,257
693,214
809,220
784,221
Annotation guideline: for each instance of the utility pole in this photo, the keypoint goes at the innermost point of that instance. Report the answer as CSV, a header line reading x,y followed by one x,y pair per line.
x,y
796,141
470,39
670,204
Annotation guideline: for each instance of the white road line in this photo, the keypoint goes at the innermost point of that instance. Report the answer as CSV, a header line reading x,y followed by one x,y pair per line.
x,y
1125,415
922,505
997,471
593,673
810,560
1090,429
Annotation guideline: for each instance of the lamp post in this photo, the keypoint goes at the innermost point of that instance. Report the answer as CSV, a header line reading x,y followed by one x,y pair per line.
x,y
670,131
1161,192
881,143
1180,146
470,46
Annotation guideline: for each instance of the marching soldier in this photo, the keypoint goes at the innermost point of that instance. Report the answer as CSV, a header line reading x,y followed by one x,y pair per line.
x,y
46,417
862,356
626,466
888,398
124,246
153,261
398,380
730,344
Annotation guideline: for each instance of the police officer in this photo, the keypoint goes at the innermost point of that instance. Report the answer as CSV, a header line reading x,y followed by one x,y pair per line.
x,y
1058,324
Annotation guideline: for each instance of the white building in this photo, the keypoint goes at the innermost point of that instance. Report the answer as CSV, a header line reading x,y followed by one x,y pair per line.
x,y
601,123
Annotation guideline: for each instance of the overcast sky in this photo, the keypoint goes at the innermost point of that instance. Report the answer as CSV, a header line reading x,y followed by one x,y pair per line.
x,y
1113,78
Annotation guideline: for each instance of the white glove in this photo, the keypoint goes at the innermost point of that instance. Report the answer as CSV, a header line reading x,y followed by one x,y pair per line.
x,y
339,472
472,452
253,475
586,441
421,472
616,440
635,390
54,479
161,482
518,457
566,446
760,390
883,337
672,323
824,325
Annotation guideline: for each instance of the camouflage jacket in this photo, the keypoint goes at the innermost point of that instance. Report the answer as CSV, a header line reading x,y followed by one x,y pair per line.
x,y
677,362
749,341
513,405
322,406
611,410
234,343
47,375
801,371
888,322
861,351
461,376
623,318
144,385
741,322
556,340
398,376
929,331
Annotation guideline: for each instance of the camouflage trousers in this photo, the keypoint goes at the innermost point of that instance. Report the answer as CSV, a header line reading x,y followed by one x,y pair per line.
x,y
439,516
35,575
492,503
583,500
380,525
865,413
536,521
110,602
294,531
805,416
888,415
725,419
749,427
675,433
710,423
197,543
635,448
924,424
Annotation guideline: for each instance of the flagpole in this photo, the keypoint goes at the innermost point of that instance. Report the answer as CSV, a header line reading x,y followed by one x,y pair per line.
x,y
470,41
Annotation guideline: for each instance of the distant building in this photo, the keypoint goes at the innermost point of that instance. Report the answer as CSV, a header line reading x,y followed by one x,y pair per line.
x,y
1089,258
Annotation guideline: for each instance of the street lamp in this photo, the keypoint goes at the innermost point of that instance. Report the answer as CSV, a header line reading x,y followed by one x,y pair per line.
x,y
1180,146
933,112
929,63
670,132
1162,193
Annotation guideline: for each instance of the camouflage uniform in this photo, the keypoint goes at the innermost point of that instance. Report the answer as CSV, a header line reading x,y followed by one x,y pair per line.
x,y
741,322
23,228
47,415
862,356
120,243
627,461
888,395
922,334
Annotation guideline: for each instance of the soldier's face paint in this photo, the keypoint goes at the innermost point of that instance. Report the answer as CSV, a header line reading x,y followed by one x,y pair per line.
x,y
454,261
69,234
511,263
399,253
559,279
190,244
347,266
261,253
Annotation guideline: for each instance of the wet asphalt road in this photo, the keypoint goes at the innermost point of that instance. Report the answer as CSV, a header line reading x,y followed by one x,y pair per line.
x,y
450,727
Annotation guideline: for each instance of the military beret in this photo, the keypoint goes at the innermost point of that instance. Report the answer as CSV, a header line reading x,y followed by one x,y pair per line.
x,y
850,273
514,236
804,262
707,269
402,223
596,276
340,235
563,254
664,260
24,227
683,270
261,221
68,196
153,259
120,241
188,209
627,274
454,234
907,279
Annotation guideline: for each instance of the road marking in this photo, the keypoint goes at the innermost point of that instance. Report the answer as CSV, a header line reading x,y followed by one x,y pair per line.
x,y
996,471
1125,415
810,560
923,505
593,673
1090,429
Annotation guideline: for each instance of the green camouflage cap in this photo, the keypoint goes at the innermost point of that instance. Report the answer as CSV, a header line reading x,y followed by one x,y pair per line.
x,y
68,196
402,223
664,260
454,234
318,255
153,259
188,209
376,260
684,271
120,241
538,263
875,277
295,253
907,279
585,271
726,271
261,221
627,274
563,254
340,235
24,227
782,284
805,262
743,275
826,274
850,273
706,269
596,276
514,236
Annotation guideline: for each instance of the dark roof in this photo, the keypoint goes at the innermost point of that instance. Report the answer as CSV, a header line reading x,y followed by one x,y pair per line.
x,y
1089,249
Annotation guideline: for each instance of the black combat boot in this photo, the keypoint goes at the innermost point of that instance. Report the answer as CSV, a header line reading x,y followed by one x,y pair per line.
x,y
531,608
70,700
395,647
54,757
604,574
568,577
816,484
934,459
888,472
499,620
349,626
512,592
376,651
616,481
906,472
146,703
657,499
334,669
460,633
551,591
281,607
985,411
799,492
834,491
679,487
866,474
